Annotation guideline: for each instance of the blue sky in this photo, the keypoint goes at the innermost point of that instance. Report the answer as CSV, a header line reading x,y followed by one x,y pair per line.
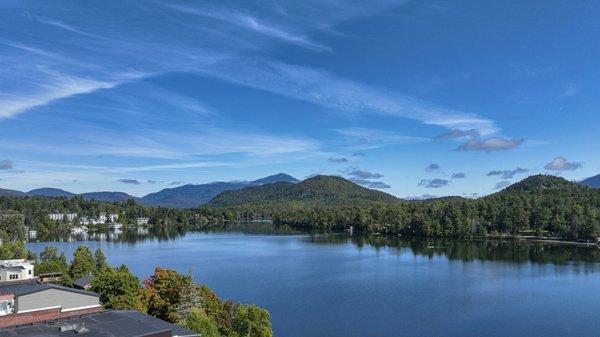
x,y
411,97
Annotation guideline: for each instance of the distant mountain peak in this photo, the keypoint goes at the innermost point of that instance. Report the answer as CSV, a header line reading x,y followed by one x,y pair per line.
x,y
49,192
188,196
593,182
275,178
540,182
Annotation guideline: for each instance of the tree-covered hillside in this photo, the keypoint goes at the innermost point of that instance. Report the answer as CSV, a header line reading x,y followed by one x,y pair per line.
x,y
541,205
318,190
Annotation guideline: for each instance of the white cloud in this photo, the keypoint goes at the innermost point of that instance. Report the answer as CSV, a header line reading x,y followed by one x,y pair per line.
x,y
560,163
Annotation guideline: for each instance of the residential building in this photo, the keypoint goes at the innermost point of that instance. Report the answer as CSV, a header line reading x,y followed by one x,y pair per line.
x,y
112,217
106,324
142,221
51,277
69,217
29,301
84,282
15,270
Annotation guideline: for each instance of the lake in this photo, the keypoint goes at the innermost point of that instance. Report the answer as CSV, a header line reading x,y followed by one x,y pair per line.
x,y
317,284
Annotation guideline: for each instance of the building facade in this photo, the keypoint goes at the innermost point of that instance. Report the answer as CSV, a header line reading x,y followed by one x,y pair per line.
x,y
31,301
15,270
62,216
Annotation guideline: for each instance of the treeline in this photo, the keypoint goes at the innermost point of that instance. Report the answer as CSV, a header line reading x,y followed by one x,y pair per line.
x,y
166,294
539,205
33,212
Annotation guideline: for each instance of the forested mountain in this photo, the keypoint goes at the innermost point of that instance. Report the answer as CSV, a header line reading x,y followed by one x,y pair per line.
x,y
49,192
10,193
319,190
541,205
108,196
593,182
187,196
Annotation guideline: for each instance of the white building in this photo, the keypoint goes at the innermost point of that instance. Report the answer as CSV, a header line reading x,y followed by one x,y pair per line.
x,y
62,216
142,221
15,270
100,219
112,217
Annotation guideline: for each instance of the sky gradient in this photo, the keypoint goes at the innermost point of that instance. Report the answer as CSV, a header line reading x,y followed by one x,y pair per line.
x,y
411,97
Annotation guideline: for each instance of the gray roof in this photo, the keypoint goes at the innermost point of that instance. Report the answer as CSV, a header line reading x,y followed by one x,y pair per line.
x,y
19,288
104,324
84,280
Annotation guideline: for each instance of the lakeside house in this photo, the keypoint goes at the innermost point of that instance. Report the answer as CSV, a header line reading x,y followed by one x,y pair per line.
x,y
15,270
102,218
142,221
69,217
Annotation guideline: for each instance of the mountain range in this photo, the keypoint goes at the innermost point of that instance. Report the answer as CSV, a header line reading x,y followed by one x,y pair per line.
x,y
593,182
185,196
278,188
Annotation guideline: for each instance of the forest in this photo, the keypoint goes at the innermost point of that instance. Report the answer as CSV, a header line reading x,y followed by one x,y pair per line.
x,y
542,205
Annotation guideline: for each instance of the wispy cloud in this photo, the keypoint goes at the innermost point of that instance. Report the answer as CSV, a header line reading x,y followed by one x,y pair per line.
x,y
368,139
57,86
250,22
354,172
507,174
370,184
338,160
6,164
457,134
570,89
129,181
324,88
432,168
491,144
458,175
434,183
502,184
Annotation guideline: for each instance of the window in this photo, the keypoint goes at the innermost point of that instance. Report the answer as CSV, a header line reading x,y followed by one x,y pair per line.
x,y
30,272
14,276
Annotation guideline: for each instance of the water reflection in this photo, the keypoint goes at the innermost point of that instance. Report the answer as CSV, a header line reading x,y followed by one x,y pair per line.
x,y
452,249
468,251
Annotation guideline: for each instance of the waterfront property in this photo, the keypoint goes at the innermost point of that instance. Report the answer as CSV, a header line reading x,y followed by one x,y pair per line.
x,y
106,323
142,221
62,216
15,270
102,218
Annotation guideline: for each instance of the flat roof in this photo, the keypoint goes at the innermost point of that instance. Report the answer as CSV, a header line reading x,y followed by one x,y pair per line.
x,y
19,288
103,324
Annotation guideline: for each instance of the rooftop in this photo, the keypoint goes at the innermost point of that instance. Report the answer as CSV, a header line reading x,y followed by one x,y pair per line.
x,y
14,263
84,280
103,324
19,288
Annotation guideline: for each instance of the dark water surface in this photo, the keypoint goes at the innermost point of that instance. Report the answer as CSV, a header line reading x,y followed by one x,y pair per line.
x,y
340,285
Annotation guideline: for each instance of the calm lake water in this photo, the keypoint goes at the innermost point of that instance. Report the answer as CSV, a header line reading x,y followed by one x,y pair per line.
x,y
340,285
